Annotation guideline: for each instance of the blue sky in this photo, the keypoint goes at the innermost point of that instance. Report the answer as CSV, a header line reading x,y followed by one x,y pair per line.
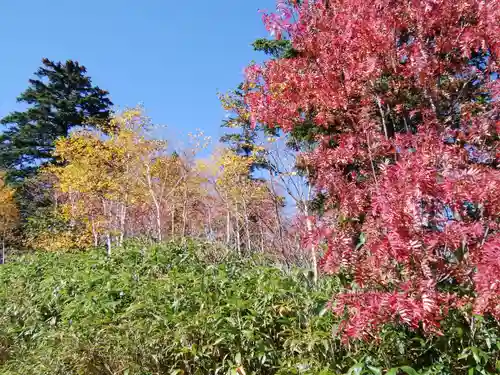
x,y
171,56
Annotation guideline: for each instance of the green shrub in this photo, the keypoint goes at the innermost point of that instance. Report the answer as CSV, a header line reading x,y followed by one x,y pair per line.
x,y
168,310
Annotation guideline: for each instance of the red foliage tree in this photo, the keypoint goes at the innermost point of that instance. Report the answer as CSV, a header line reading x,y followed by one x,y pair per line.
x,y
407,95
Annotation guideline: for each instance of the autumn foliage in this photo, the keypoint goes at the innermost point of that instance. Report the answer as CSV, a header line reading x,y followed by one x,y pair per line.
x,y
9,214
107,187
406,94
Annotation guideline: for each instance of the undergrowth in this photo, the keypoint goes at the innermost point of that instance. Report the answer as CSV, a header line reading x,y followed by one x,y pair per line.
x,y
171,309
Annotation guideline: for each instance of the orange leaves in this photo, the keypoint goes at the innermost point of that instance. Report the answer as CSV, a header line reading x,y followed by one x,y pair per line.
x,y
9,213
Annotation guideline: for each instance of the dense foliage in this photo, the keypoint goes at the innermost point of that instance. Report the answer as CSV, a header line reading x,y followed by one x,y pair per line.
x,y
196,309
408,93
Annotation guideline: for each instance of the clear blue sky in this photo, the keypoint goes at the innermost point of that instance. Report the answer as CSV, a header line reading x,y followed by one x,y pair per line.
x,y
172,56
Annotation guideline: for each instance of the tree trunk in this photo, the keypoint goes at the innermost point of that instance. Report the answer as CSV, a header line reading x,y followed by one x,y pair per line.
x,y
238,239
210,223
279,225
73,209
388,131
156,204
314,259
247,226
261,237
184,214
123,217
107,214
158,224
94,232
157,218
407,128
228,226
173,222
108,244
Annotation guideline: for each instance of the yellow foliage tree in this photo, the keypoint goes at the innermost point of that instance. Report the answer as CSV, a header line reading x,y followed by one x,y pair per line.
x,y
103,177
242,196
9,213
123,183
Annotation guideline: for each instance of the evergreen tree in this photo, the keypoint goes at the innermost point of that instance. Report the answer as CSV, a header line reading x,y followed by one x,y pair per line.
x,y
278,49
61,97
242,139
243,136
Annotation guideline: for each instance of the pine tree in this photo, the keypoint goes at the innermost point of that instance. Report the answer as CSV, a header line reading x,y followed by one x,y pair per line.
x,y
279,49
61,97
243,138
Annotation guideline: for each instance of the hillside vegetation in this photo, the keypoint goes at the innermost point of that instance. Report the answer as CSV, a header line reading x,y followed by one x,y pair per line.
x,y
346,222
160,310
196,309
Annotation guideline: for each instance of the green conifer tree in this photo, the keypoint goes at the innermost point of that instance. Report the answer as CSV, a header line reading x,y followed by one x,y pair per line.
x,y
61,97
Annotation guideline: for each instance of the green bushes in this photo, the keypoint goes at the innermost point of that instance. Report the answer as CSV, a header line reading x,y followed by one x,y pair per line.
x,y
159,311
167,310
